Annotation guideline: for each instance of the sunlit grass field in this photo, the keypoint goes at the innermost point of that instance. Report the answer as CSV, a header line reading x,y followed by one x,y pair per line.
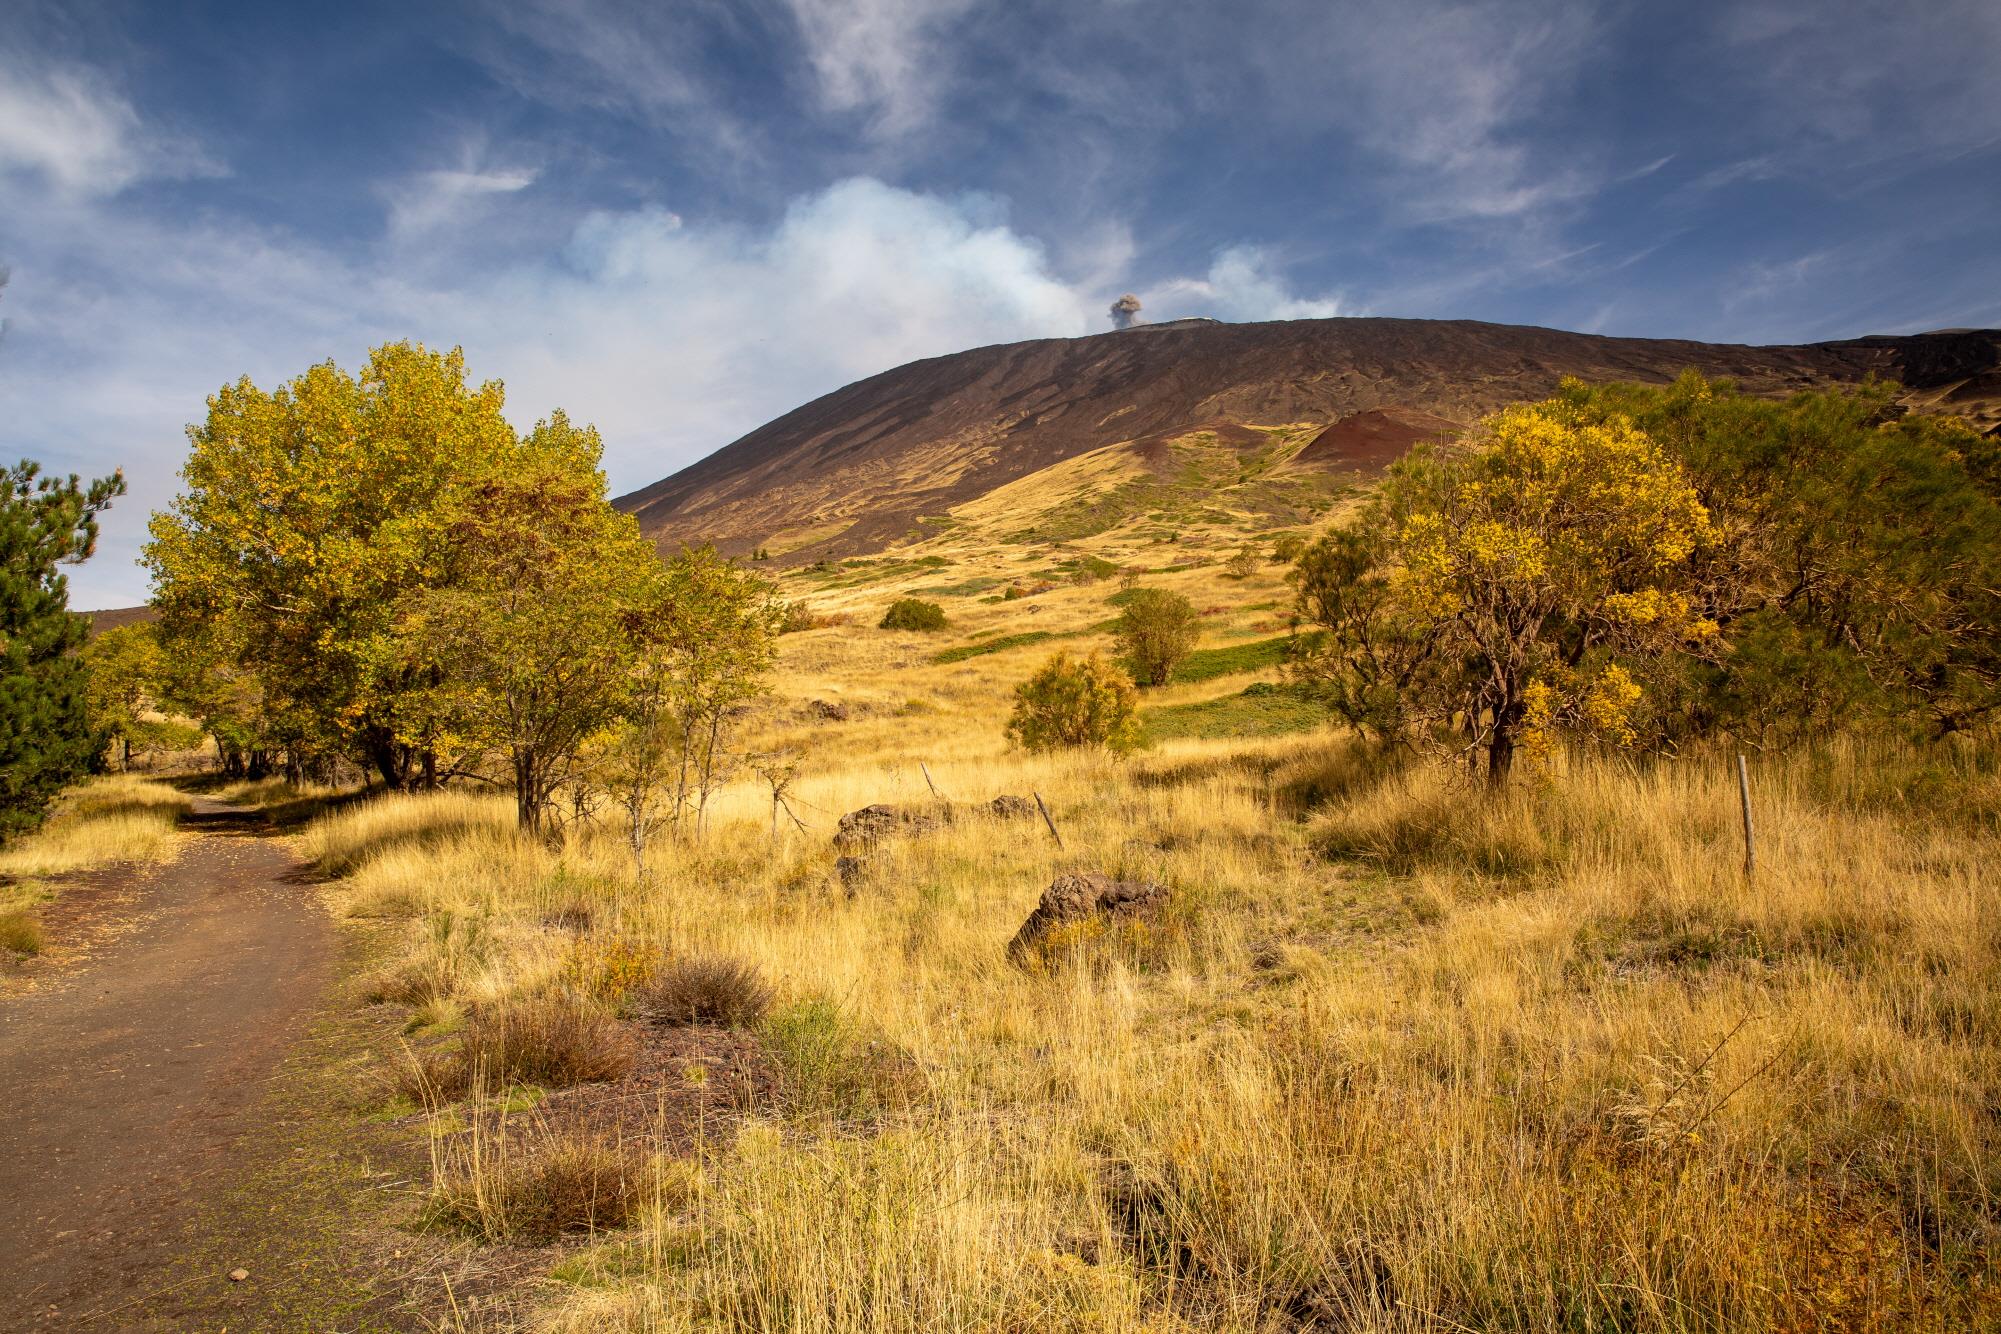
x,y
122,818
1397,1056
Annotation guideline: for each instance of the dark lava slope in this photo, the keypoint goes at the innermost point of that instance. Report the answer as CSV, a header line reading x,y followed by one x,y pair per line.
x,y
855,469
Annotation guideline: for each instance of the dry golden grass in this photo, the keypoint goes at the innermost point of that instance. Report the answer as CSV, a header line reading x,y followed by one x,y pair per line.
x,y
706,990
122,818
533,1188
21,931
551,1040
1410,1058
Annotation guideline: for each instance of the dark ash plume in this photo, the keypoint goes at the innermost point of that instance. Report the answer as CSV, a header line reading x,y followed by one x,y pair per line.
x,y
1125,312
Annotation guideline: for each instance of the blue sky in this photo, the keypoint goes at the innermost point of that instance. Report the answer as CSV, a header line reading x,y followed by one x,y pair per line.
x,y
679,220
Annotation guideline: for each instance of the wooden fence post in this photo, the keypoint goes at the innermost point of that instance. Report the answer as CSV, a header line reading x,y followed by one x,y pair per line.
x,y
1051,823
1744,801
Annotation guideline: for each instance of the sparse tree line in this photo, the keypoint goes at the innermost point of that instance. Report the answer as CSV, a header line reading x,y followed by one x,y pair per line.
x,y
379,568
1631,567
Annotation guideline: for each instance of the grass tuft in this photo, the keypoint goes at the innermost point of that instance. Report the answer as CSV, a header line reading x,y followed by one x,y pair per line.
x,y
21,932
706,990
553,1040
534,1192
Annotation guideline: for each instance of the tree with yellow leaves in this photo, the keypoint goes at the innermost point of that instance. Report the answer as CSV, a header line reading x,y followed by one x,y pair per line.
x,y
1502,592
524,642
307,512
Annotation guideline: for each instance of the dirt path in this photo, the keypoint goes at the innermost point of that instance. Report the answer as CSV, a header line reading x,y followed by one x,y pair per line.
x,y
127,1082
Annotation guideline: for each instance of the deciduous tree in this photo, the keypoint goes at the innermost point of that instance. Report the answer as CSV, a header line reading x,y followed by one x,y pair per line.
x,y
307,513
1502,592
127,692
711,641
526,639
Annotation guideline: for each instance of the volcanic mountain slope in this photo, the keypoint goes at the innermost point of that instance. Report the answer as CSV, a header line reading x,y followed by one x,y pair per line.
x,y
860,468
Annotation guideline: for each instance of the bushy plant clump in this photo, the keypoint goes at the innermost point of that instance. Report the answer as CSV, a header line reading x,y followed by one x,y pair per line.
x,y
708,990
913,614
1157,630
1076,702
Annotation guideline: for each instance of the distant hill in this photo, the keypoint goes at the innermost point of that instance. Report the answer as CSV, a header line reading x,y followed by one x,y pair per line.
x,y
117,617
858,469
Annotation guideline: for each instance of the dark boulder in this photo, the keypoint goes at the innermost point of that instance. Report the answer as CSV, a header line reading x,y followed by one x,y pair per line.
x,y
871,824
1076,896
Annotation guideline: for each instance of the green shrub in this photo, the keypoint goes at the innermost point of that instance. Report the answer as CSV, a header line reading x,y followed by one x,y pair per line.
x,y
1157,630
1076,702
913,614
1089,569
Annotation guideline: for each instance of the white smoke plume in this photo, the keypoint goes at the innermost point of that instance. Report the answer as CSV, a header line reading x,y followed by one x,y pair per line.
x,y
1125,312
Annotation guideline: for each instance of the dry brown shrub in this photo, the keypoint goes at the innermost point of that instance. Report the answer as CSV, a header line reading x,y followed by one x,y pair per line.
x,y
555,1040
707,990
535,1193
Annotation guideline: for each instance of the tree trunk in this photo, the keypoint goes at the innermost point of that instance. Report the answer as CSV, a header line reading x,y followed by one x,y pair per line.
x,y
382,754
1500,752
128,753
527,794
430,771
708,769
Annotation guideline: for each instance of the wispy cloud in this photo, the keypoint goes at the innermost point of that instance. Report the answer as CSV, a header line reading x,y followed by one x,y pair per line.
x,y
1892,78
1448,95
663,66
885,58
68,125
423,202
